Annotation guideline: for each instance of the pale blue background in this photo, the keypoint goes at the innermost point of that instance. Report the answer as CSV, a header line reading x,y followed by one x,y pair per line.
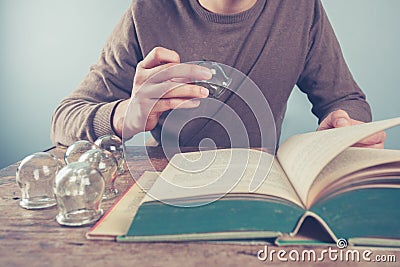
x,y
47,47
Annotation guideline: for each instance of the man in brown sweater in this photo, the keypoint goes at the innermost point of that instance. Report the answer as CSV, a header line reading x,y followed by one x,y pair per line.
x,y
277,43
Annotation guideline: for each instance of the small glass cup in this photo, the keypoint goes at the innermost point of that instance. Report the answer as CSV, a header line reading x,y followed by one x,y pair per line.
x,y
78,188
105,162
76,150
219,81
35,176
113,144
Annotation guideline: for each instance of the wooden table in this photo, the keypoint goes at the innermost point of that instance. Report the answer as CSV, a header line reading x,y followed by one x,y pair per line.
x,y
34,238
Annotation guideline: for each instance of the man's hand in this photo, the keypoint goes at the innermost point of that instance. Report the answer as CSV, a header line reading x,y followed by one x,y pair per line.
x,y
340,118
153,94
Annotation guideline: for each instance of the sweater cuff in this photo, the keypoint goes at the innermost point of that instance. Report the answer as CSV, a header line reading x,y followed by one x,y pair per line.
x,y
355,109
102,120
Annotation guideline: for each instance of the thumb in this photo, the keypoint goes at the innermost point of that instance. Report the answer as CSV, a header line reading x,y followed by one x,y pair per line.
x,y
335,119
341,122
340,118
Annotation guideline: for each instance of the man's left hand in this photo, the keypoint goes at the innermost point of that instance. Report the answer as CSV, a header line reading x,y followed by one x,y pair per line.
x,y
340,118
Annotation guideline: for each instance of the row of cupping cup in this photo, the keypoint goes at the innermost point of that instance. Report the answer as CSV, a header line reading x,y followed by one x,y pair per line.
x,y
76,185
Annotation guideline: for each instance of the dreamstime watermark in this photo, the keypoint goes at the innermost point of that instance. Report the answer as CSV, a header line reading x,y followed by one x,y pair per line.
x,y
340,253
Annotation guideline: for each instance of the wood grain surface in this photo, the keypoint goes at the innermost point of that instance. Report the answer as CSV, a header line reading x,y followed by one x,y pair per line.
x,y
34,238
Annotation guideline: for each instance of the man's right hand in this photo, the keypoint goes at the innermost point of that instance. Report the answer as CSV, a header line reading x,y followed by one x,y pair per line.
x,y
153,94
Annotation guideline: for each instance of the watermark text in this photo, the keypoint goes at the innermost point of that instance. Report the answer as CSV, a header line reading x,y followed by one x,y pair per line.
x,y
340,253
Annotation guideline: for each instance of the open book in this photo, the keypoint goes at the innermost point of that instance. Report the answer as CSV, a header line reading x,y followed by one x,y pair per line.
x,y
352,193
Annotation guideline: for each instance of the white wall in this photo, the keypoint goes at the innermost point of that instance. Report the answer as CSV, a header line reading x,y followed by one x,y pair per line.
x,y
47,47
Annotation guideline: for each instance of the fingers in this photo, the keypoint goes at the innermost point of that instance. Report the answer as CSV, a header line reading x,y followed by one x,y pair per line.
x,y
162,65
336,119
159,56
165,81
158,59
161,84
340,118
173,90
374,141
188,72
174,103
377,146
187,91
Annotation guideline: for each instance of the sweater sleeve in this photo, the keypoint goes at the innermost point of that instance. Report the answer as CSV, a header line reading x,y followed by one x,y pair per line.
x,y
326,78
86,113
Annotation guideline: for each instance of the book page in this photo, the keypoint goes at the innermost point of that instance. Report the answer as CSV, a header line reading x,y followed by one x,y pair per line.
x,y
385,175
218,172
388,180
276,184
349,161
304,156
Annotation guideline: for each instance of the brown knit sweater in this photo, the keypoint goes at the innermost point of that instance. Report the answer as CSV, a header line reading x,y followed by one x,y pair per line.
x,y
277,43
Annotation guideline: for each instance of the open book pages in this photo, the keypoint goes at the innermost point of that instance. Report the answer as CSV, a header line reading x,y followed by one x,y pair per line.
x,y
215,173
304,156
355,165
